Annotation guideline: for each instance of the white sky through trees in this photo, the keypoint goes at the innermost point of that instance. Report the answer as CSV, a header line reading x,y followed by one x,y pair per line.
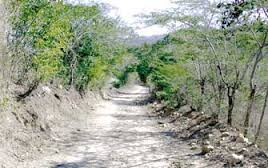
x,y
127,9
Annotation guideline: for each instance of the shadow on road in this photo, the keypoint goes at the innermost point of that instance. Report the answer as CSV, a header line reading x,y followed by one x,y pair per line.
x,y
133,140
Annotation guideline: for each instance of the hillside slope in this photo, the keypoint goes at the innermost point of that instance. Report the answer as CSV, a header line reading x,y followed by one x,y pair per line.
x,y
30,128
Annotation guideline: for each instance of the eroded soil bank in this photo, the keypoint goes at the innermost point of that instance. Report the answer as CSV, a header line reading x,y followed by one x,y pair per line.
x,y
31,128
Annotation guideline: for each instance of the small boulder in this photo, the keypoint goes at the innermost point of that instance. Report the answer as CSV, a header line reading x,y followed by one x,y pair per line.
x,y
244,151
46,89
60,87
220,142
207,149
235,159
193,146
206,143
225,134
242,139
185,109
210,136
224,138
231,148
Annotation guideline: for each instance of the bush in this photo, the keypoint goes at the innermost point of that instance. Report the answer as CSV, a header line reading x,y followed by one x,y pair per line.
x,y
58,40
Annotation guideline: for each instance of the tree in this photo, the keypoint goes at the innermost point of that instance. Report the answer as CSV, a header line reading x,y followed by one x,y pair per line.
x,y
231,40
262,116
74,43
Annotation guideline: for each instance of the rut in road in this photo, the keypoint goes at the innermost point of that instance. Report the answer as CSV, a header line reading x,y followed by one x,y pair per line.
x,y
120,134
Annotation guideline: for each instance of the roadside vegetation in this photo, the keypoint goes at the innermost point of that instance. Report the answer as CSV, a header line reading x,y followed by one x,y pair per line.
x,y
216,61
50,41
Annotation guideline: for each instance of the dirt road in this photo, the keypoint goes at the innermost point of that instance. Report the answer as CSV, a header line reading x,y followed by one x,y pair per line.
x,y
119,134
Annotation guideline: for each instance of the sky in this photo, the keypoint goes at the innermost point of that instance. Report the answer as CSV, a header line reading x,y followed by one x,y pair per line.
x,y
127,9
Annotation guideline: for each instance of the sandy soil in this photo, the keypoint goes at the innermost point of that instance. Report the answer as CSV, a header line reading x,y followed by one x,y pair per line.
x,y
119,134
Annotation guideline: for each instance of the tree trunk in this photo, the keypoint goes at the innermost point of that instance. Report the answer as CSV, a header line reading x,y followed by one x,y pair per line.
x,y
262,116
202,92
202,86
231,99
249,109
219,99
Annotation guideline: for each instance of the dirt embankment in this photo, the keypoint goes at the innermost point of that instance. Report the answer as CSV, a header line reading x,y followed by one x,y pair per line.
x,y
28,128
211,139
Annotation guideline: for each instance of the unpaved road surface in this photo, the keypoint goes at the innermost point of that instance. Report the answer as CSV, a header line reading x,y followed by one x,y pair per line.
x,y
119,134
